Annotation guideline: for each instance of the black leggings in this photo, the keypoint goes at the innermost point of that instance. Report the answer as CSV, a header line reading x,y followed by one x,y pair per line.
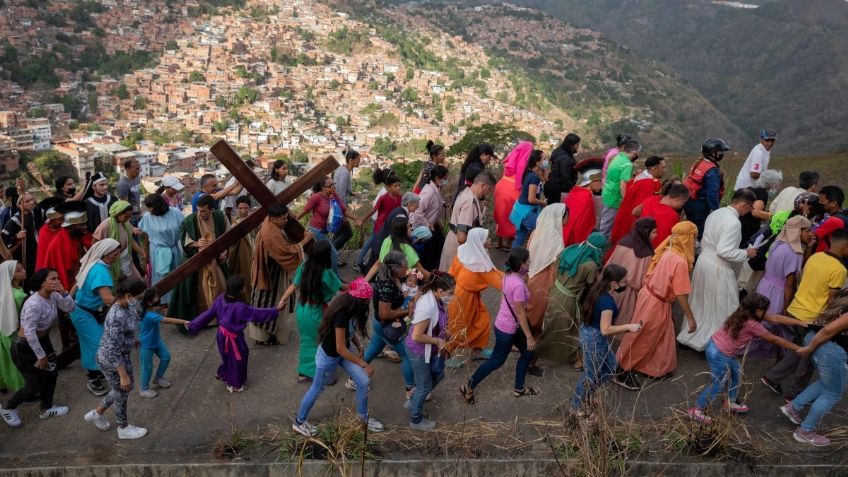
x,y
38,381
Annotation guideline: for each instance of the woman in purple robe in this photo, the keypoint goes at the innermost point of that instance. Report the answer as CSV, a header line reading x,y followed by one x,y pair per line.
x,y
233,316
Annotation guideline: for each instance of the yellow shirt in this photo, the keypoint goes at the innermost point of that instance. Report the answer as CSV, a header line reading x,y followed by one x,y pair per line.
x,y
822,273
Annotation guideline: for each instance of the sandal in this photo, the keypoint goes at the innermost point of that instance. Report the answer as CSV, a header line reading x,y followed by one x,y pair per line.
x,y
524,392
301,379
467,394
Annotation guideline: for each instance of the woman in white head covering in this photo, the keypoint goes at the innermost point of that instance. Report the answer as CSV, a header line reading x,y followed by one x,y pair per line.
x,y
545,246
468,319
93,297
11,299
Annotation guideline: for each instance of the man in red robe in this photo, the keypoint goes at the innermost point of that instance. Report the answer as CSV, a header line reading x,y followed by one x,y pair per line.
x,y
49,230
644,185
70,243
664,209
581,208
66,248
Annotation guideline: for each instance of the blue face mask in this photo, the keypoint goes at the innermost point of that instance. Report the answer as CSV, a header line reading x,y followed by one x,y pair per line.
x,y
546,164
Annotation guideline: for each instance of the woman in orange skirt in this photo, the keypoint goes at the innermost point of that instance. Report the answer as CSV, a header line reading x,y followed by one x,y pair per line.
x,y
507,190
468,319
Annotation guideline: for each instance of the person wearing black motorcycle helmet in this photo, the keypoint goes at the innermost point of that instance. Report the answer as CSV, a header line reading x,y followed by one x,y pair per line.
x,y
706,183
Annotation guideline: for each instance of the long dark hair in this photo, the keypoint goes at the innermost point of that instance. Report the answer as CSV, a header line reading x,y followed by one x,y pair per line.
x,y
474,157
612,273
379,176
319,186
277,164
37,279
571,140
130,286
439,280
156,204
60,183
434,149
235,289
534,159
313,271
747,311
399,232
347,306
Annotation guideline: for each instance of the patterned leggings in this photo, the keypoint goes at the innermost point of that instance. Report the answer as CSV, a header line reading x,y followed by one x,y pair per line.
x,y
117,396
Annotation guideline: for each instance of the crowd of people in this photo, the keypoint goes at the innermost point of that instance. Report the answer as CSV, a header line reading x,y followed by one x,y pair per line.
x,y
600,252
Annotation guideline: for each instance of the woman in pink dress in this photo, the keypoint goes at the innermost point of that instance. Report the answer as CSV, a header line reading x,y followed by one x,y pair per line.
x,y
634,253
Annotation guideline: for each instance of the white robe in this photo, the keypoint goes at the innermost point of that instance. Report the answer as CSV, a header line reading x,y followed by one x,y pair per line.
x,y
714,294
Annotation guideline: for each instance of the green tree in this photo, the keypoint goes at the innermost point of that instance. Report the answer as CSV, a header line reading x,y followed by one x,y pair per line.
x,y
410,73
196,77
219,126
54,164
132,138
122,92
140,103
384,146
92,102
500,136
171,45
409,95
299,156
36,113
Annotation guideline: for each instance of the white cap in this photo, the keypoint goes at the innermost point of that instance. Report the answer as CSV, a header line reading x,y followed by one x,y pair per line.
x,y
173,183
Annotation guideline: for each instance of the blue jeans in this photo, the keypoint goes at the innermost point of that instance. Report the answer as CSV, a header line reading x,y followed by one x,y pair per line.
x,y
360,259
376,345
425,381
830,361
720,365
503,346
334,254
325,372
528,225
146,356
599,365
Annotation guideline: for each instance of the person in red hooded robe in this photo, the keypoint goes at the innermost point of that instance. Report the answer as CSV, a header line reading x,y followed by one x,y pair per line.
x,y
49,230
508,189
580,203
646,184
664,209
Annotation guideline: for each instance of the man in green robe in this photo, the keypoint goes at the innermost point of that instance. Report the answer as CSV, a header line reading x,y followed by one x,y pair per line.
x,y
196,293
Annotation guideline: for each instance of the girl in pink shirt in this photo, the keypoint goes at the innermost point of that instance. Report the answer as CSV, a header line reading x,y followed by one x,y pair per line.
x,y
737,333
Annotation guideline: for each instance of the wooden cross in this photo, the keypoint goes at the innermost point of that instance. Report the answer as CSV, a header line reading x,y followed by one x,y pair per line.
x,y
231,160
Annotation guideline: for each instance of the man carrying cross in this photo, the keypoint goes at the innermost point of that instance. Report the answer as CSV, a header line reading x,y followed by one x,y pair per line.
x,y
215,245
199,290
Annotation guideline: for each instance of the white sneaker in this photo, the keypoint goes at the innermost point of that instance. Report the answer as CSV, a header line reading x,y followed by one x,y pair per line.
x,y
11,417
163,383
98,420
375,425
350,384
131,432
304,428
53,411
148,393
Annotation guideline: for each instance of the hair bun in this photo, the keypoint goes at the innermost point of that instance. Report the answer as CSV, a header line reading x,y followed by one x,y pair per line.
x,y
430,145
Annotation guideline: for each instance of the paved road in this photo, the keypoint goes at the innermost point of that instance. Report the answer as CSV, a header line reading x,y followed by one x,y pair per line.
x,y
186,420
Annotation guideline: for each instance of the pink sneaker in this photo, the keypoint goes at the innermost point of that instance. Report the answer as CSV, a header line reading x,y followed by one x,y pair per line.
x,y
810,437
735,408
791,413
698,415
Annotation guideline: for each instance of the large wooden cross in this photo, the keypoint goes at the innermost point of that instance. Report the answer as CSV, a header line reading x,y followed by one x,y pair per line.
x,y
231,160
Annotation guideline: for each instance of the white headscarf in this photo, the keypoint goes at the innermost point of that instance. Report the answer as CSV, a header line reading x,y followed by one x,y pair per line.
x,y
8,310
546,241
94,254
472,254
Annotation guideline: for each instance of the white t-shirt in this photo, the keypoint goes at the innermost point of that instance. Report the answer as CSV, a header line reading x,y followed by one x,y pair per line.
x,y
758,161
785,200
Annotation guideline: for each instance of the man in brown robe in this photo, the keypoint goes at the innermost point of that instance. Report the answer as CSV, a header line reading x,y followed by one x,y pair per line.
x,y
276,257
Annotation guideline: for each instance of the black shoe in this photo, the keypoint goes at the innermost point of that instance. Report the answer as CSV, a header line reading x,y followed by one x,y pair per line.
x,y
627,381
775,388
536,371
96,387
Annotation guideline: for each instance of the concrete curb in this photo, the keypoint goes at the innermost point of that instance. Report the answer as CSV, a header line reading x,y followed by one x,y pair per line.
x,y
403,468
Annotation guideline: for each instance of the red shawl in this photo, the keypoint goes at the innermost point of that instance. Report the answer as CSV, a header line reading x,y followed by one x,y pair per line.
x,y
581,216
665,215
635,194
64,255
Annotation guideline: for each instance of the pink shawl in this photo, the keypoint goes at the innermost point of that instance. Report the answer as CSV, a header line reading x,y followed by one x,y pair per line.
x,y
516,161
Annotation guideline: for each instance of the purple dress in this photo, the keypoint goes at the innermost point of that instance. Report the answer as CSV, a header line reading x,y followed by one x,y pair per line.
x,y
232,319
782,262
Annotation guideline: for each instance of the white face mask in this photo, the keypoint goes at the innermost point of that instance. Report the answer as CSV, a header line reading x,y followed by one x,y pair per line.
x,y
446,299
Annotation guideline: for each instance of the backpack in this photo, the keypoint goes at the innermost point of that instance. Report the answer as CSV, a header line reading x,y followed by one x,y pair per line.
x,y
335,217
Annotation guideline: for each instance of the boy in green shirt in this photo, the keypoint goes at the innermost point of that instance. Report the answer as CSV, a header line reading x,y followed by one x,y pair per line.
x,y
619,173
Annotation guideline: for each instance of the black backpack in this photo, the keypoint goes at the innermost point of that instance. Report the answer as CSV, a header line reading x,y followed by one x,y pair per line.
x,y
758,261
